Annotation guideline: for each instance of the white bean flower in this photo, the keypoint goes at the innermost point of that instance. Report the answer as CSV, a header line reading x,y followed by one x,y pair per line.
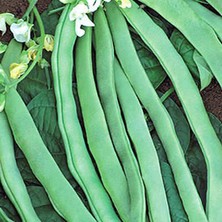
x,y
80,11
2,25
93,5
79,15
125,4
21,30
5,18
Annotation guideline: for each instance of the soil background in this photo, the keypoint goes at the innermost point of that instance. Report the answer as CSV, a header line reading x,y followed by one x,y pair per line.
x,y
212,95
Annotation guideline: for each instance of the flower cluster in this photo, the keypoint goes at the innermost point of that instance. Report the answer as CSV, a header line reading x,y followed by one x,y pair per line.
x,y
80,11
18,69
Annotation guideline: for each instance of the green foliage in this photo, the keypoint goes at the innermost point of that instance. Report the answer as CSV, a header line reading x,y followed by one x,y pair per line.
x,y
176,208
180,123
194,61
154,70
196,162
51,21
33,84
185,49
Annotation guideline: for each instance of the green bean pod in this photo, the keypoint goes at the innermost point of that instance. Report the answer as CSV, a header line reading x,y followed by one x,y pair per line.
x,y
126,53
108,98
216,4
214,20
4,217
11,55
79,161
97,133
197,31
191,101
10,176
144,147
62,195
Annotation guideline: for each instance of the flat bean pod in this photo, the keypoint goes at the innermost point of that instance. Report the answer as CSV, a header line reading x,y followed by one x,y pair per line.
x,y
11,55
144,147
10,176
214,20
216,4
63,197
197,31
97,133
4,217
191,100
157,112
107,92
79,161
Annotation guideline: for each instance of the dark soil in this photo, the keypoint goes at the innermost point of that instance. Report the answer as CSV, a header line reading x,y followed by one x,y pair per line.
x,y
18,7
212,96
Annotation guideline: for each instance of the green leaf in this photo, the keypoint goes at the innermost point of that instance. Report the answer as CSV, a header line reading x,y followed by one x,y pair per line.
x,y
175,204
33,84
51,21
217,124
7,206
204,70
180,123
185,49
159,147
196,162
154,70
42,204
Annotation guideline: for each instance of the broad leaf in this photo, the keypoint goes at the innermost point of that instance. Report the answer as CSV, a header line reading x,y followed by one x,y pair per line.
x,y
175,204
180,123
154,70
196,162
33,84
185,49
42,204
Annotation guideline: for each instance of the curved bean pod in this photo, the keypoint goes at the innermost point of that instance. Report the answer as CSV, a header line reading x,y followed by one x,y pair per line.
x,y
10,176
108,98
144,147
62,195
157,112
216,4
11,55
191,100
197,31
4,217
78,158
208,16
97,133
